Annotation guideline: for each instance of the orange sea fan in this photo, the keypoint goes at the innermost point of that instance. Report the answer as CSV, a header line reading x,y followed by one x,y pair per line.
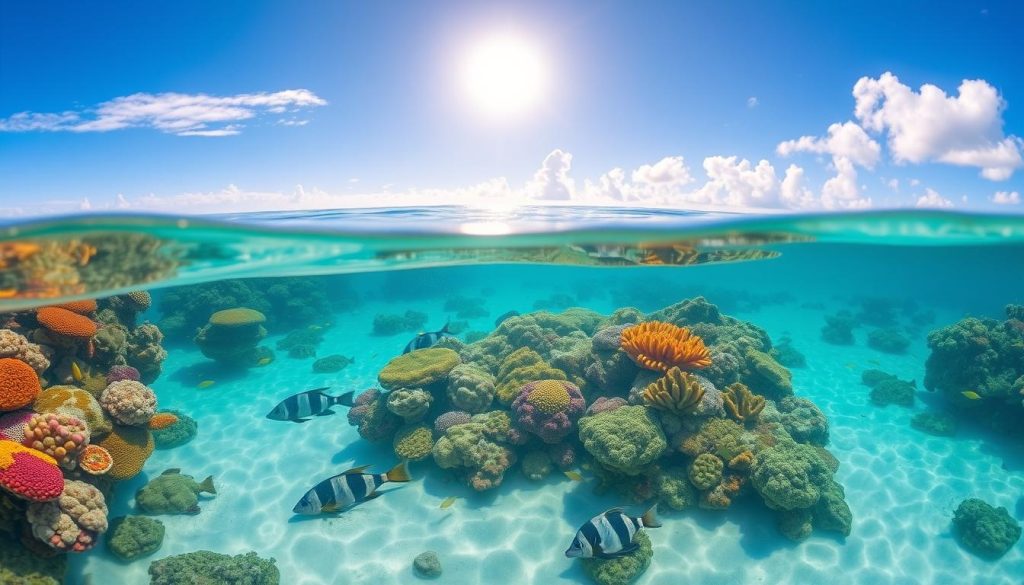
x,y
162,420
661,346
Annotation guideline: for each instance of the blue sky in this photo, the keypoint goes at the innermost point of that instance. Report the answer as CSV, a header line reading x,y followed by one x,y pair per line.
x,y
215,106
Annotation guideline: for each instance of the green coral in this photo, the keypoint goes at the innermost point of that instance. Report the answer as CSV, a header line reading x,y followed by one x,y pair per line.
x,y
477,450
410,403
626,439
621,570
790,476
169,493
983,529
414,442
519,368
706,471
887,389
721,436
18,566
983,355
674,489
177,434
209,568
803,420
769,378
131,537
418,368
470,388
832,513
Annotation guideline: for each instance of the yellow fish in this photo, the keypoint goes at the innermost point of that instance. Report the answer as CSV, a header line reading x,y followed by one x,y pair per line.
x,y
971,395
447,503
205,384
76,372
574,475
264,361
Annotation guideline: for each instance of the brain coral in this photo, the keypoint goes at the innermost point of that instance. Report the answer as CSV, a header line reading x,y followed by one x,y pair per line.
x,y
418,368
74,401
140,300
662,346
19,384
132,537
414,442
29,474
14,345
72,522
548,408
626,439
129,402
130,447
447,420
237,317
706,471
66,323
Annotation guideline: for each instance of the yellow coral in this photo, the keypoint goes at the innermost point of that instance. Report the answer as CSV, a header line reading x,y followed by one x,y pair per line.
x,y
76,402
742,404
130,447
237,317
413,443
141,300
549,396
520,367
662,346
677,392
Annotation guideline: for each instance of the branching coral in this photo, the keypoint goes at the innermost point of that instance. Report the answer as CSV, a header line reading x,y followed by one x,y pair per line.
x,y
548,409
19,384
661,346
625,440
129,402
741,403
72,522
677,392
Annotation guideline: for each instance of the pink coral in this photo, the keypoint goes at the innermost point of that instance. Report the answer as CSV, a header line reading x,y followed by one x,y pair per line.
x,y
548,408
450,419
118,373
12,424
29,474
61,436
129,402
73,522
370,414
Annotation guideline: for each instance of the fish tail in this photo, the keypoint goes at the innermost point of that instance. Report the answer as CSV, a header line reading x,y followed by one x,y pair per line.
x,y
650,517
446,324
207,486
345,399
399,472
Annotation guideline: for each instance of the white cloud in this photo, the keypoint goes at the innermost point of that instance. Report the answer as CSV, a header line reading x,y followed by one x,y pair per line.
x,y
792,192
931,198
893,184
738,183
171,113
752,102
847,140
1006,198
927,125
551,182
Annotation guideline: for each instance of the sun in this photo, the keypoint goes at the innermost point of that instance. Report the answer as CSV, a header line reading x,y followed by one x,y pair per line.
x,y
504,76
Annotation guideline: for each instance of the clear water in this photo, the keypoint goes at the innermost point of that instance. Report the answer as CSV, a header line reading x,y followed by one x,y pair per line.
x,y
782,274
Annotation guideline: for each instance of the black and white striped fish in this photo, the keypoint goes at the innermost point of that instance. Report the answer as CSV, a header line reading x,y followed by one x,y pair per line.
x,y
610,534
346,489
425,340
301,406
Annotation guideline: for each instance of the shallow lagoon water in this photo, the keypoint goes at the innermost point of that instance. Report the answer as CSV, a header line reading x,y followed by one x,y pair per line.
x,y
901,485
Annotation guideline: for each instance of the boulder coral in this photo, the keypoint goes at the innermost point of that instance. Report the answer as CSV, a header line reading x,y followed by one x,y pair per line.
x,y
133,537
470,388
520,367
231,337
418,368
182,431
14,345
145,352
29,474
19,384
129,403
673,488
548,409
450,419
74,521
985,530
65,323
705,472
411,404
625,440
413,443
370,415
803,420
621,570
662,346
477,450
130,447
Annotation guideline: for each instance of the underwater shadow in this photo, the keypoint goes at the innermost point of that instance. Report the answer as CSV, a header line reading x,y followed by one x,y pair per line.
x,y
193,374
759,536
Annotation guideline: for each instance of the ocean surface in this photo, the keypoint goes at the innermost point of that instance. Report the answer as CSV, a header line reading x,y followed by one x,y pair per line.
x,y
905,274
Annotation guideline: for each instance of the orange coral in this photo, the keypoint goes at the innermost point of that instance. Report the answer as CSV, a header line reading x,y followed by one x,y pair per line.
x,y
162,420
95,460
81,307
661,346
64,322
19,384
130,447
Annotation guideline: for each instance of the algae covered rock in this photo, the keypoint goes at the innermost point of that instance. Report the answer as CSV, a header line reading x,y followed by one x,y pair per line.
x,y
177,433
622,570
983,529
331,364
470,388
674,489
625,440
18,566
427,565
209,568
131,537
419,368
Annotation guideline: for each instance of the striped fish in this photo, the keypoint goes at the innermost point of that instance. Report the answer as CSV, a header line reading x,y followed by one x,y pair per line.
x,y
346,489
610,534
425,340
301,406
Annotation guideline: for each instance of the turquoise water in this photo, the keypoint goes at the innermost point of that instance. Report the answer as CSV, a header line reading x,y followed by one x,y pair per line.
x,y
905,274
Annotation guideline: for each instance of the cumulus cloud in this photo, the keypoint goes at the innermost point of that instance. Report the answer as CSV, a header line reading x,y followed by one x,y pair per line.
x,y
931,198
1006,198
737,182
846,140
171,113
928,125
752,102
551,182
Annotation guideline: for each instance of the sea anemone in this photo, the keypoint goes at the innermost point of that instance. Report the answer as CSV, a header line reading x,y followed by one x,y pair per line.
x,y
661,346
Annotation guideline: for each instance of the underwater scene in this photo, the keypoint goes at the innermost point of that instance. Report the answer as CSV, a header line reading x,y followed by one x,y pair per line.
x,y
557,395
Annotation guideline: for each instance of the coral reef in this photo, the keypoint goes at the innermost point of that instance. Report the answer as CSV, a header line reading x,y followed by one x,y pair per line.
x,y
803,420
302,343
14,345
65,323
19,566
133,537
61,436
548,409
418,369
74,521
621,570
19,384
29,474
176,434
130,447
838,329
172,493
742,404
887,389
393,324
75,402
470,388
678,392
118,373
705,472
983,529
478,450
414,442
232,337
624,440
787,355
129,403
673,488
411,404
520,367
206,567
12,424
536,465
372,418
889,340
663,346
450,419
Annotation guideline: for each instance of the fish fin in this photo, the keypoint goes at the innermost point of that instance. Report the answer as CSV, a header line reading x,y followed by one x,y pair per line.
x,y
372,496
330,508
172,471
318,390
301,420
207,486
446,324
359,469
399,472
613,510
650,517
327,412
345,399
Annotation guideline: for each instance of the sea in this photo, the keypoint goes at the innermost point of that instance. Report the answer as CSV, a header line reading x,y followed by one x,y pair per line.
x,y
822,298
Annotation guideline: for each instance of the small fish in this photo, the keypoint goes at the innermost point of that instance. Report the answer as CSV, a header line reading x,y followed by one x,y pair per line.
x,y
574,475
264,361
299,407
425,340
205,384
347,489
76,372
447,503
610,534
501,318
971,395
850,366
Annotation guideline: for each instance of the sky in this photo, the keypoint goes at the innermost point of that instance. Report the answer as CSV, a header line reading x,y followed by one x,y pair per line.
x,y
195,106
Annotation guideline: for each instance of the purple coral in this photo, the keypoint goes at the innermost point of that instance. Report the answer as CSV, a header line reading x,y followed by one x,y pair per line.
x,y
548,408
12,424
450,419
118,373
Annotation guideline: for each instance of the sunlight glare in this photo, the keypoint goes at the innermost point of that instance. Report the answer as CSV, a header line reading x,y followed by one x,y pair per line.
x,y
504,76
